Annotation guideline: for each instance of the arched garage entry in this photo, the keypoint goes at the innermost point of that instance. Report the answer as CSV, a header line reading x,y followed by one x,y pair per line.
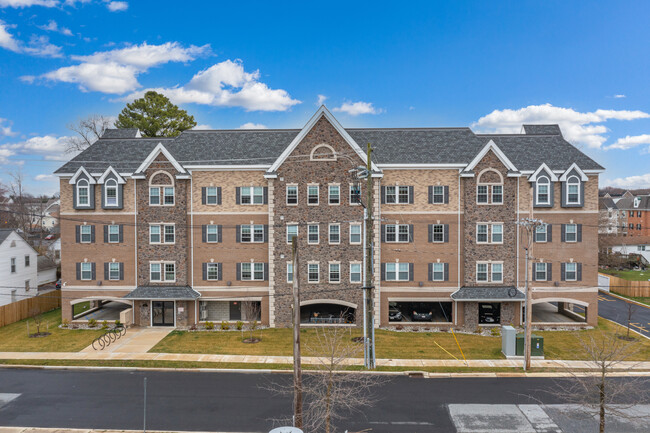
x,y
559,310
327,312
100,309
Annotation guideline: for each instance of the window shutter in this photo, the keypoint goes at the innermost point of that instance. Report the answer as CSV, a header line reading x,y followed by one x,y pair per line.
x,y
204,233
106,277
94,275
78,266
446,194
120,196
411,235
563,232
579,269
77,235
266,194
549,272
105,234
238,233
383,232
563,198
219,271
534,272
549,232
121,235
410,271
562,272
430,269
204,195
430,195
219,200
238,195
219,235
121,271
383,195
446,272
579,235
582,194
266,232
266,271
430,232
383,271
411,198
74,197
446,230
92,233
238,271
205,271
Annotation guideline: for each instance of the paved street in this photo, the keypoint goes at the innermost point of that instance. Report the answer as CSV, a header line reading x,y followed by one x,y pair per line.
x,y
235,402
615,309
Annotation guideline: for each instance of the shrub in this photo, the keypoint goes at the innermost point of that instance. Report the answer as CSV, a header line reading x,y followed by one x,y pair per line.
x,y
118,323
65,323
240,325
478,330
399,327
225,326
92,323
495,332
209,326
254,325
193,327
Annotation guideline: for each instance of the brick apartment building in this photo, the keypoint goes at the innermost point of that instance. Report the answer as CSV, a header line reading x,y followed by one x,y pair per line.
x,y
179,231
636,210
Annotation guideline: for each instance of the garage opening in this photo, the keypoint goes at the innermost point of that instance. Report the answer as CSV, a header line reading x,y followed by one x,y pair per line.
x,y
559,312
100,310
230,311
327,314
489,313
430,312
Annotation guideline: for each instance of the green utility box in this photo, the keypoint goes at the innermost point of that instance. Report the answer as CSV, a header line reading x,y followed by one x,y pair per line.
x,y
537,348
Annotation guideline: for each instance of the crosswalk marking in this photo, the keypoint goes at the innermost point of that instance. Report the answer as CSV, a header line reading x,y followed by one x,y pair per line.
x,y
7,397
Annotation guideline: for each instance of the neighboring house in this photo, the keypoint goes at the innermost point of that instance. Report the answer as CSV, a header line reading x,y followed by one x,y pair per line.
x,y
629,245
46,270
185,229
637,213
611,219
54,251
50,215
18,272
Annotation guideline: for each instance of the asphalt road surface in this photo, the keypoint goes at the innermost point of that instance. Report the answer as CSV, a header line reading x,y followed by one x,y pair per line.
x,y
616,309
237,402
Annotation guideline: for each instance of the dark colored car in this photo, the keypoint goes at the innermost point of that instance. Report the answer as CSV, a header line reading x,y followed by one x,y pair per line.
x,y
422,317
394,315
58,284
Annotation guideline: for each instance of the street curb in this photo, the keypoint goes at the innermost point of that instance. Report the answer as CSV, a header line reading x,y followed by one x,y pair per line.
x,y
622,298
625,327
21,429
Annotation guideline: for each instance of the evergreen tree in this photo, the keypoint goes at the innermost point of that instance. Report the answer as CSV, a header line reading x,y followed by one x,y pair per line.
x,y
155,116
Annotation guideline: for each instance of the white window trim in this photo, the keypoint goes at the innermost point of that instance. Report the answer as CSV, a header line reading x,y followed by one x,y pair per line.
x,y
252,278
162,271
433,234
106,187
352,203
442,195
329,272
397,226
491,276
487,194
545,234
317,186
81,234
207,271
487,272
329,194
252,229
109,234
290,281
207,233
252,195
90,271
318,272
286,193
433,272
360,233
566,233
360,273
491,194
487,233
109,271
548,185
397,195
208,195
87,188
329,234
545,270
286,237
491,236
566,272
397,278
309,242
568,182
162,234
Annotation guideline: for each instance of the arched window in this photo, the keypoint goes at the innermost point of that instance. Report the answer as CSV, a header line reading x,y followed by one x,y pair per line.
x,y
83,193
161,189
110,192
573,190
543,185
489,187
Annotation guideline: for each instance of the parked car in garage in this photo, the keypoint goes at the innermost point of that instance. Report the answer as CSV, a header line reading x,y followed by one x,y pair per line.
x,y
422,316
394,315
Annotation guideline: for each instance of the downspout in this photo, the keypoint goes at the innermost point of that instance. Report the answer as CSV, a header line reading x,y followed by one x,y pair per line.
x,y
192,242
135,242
458,265
521,319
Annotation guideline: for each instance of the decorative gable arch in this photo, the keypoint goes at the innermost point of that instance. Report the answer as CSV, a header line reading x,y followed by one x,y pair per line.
x,y
322,149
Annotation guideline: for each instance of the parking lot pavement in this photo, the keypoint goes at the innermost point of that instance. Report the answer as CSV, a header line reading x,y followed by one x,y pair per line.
x,y
617,310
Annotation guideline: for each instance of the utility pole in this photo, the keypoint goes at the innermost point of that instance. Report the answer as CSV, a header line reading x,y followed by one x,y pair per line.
x,y
370,338
297,370
530,224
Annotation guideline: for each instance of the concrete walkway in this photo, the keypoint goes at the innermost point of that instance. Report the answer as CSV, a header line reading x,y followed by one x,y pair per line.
x,y
136,340
71,430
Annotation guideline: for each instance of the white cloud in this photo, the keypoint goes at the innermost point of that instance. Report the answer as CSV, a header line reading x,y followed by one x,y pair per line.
x,y
356,108
202,127
6,39
619,96
226,84
52,26
5,130
45,178
251,125
577,127
27,3
630,141
115,6
116,71
50,147
5,154
321,100
631,182
41,46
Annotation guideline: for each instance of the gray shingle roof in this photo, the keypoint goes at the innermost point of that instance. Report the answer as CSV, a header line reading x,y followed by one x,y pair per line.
x,y
121,133
496,293
606,203
542,129
627,203
44,262
162,292
392,146
4,233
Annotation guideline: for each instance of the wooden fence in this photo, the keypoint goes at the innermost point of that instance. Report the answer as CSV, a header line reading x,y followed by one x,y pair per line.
x,y
637,289
25,308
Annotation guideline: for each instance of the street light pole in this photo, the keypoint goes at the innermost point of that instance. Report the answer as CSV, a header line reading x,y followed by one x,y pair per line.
x,y
370,362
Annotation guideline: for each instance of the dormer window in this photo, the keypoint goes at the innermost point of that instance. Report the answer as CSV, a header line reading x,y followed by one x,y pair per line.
x,y
573,190
543,190
110,191
83,193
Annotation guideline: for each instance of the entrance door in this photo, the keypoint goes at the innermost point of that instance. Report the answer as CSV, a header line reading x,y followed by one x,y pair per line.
x,y
162,313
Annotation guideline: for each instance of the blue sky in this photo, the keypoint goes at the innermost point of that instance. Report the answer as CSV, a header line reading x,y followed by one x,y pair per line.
x,y
488,65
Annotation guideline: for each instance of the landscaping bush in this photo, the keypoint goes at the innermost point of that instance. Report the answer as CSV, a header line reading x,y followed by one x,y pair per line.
x,y
399,327
240,325
209,326
118,323
254,325
495,332
225,326
65,323
105,325
92,323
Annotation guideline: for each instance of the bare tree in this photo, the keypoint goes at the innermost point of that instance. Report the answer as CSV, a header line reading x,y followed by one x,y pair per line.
x,y
631,310
37,317
600,394
20,206
87,131
252,311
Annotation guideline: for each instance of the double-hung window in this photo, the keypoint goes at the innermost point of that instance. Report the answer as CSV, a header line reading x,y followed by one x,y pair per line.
x,y
289,272
13,265
252,195
481,233
397,195
438,232
211,195
355,234
497,233
85,233
438,272
397,232
397,271
154,196
482,272
27,260
334,234
161,195
355,194
83,193
113,271
312,194
86,271
573,190
168,195
355,272
570,271
313,272
571,233
252,271
497,194
334,194
110,190
482,194
212,233
292,232
252,233
313,234
540,272
542,185
292,195
113,233
212,271
162,234
541,233
497,272
162,271
335,273
438,194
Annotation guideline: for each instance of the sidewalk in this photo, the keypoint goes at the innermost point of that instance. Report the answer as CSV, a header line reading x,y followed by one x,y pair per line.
x,y
72,430
411,363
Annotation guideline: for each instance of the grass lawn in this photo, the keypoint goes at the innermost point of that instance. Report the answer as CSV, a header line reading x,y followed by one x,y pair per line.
x,y
643,300
80,307
13,338
389,344
628,275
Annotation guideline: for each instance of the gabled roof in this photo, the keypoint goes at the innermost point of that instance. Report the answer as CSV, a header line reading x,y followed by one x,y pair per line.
x,y
606,203
159,149
108,171
4,234
44,262
574,167
543,169
491,146
81,170
627,203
